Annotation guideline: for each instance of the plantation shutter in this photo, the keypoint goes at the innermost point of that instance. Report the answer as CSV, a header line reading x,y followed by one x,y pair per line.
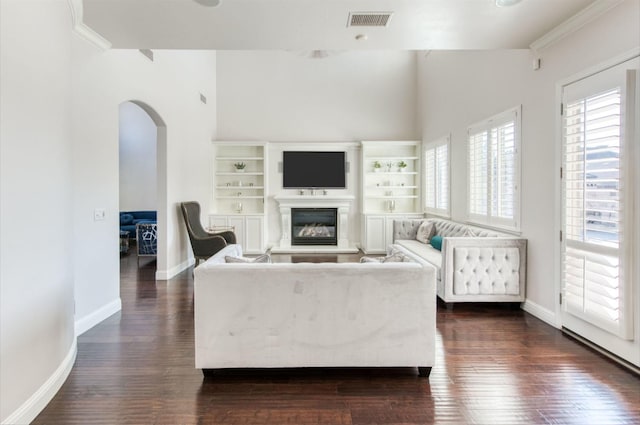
x,y
493,171
442,177
478,172
436,163
430,178
503,183
596,280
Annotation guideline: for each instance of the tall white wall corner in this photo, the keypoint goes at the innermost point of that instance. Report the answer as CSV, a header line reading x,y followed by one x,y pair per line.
x,y
90,320
80,28
31,408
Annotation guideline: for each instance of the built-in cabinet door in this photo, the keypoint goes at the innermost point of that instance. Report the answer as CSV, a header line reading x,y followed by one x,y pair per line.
x,y
237,222
375,234
249,230
254,234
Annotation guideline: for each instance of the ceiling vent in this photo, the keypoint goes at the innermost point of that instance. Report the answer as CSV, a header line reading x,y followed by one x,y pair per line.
x,y
369,19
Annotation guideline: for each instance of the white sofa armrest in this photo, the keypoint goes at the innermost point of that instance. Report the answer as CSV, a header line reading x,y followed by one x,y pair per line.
x,y
483,269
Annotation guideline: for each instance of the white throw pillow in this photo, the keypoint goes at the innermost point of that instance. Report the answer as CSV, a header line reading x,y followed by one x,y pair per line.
x,y
264,258
426,231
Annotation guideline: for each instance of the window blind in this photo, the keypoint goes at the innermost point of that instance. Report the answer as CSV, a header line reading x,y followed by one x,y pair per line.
x,y
442,177
436,160
592,273
493,171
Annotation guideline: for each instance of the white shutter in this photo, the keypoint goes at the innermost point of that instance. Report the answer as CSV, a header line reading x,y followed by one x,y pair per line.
x,y
442,177
436,163
430,178
478,173
504,176
592,274
494,174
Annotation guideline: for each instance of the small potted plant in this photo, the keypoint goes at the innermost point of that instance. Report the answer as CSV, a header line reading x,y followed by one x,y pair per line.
x,y
239,166
401,166
377,166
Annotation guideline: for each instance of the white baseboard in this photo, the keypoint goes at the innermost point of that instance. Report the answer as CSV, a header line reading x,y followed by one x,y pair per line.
x,y
173,271
87,322
35,404
540,312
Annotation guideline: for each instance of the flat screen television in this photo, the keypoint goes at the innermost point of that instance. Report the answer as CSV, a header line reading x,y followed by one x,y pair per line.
x,y
307,169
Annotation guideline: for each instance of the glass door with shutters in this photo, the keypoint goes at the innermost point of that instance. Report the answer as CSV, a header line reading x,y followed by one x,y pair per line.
x,y
598,221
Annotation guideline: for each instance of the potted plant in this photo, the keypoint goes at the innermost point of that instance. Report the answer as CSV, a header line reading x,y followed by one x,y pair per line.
x,y
239,166
401,166
377,166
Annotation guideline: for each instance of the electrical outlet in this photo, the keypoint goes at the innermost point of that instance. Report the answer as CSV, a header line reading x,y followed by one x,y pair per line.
x,y
98,214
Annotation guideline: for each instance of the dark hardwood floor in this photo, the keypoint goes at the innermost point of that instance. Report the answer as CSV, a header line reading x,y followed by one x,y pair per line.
x,y
495,365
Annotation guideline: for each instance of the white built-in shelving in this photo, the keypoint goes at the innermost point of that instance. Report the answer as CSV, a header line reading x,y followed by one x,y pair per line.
x,y
239,196
389,192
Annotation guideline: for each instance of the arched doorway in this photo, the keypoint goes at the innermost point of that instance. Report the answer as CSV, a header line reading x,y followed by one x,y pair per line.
x,y
143,166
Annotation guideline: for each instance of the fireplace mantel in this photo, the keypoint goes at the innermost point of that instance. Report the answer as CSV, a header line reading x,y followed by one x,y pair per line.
x,y
342,203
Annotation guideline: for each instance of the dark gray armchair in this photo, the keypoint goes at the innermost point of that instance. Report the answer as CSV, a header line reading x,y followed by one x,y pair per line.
x,y
203,243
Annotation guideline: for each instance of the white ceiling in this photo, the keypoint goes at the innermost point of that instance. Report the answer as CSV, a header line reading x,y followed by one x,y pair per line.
x,y
322,24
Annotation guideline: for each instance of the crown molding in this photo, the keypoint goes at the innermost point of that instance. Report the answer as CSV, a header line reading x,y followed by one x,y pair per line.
x,y
577,21
80,28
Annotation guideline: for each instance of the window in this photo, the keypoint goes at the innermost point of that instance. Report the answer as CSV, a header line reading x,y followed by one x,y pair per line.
x,y
436,160
494,171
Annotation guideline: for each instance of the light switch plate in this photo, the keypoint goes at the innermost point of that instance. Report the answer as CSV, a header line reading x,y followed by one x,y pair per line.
x,y
99,214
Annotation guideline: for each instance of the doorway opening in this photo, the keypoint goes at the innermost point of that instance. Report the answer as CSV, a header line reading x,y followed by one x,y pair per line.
x,y
142,183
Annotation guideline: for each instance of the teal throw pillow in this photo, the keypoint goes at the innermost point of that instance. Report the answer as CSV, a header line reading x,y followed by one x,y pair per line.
x,y
436,242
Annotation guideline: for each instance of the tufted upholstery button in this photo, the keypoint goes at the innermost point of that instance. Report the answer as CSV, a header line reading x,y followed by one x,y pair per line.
x,y
486,270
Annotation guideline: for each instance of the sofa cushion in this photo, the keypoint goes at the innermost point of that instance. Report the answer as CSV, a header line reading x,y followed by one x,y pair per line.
x,y
264,258
126,219
426,231
424,251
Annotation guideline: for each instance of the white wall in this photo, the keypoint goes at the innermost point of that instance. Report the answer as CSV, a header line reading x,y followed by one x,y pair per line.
x,y
36,277
459,88
349,96
60,101
171,87
138,138
287,96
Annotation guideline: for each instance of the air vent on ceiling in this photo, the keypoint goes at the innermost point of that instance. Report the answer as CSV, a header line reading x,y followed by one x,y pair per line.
x,y
369,19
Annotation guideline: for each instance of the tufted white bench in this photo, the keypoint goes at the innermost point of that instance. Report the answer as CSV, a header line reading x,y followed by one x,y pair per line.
x,y
475,264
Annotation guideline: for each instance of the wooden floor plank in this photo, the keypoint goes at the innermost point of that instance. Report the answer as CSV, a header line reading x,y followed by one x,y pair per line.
x,y
494,365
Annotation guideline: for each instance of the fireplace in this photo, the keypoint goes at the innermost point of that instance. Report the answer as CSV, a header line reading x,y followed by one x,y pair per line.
x,y
342,204
314,226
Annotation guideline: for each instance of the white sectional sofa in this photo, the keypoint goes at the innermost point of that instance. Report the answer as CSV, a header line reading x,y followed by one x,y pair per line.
x,y
257,315
474,265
